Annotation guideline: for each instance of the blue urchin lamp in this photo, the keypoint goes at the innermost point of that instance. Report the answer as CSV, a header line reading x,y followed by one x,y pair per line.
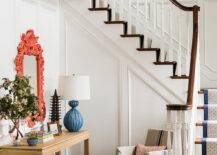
x,y
74,88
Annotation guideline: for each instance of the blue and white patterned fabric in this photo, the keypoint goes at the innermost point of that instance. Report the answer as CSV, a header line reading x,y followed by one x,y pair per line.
x,y
209,144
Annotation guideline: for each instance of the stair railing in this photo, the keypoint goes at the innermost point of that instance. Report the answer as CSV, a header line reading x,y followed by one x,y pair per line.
x,y
181,118
167,24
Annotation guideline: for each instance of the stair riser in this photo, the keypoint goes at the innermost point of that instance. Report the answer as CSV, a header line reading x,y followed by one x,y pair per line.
x,y
200,115
198,149
199,132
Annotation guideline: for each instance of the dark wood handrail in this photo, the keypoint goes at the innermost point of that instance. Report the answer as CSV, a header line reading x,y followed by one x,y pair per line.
x,y
182,7
195,9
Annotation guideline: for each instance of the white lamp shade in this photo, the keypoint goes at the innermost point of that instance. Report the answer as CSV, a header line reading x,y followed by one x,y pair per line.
x,y
74,87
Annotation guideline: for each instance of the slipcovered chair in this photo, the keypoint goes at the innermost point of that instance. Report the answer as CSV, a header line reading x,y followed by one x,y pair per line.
x,y
154,138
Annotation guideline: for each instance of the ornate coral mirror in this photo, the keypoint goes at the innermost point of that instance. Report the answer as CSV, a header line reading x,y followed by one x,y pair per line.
x,y
30,62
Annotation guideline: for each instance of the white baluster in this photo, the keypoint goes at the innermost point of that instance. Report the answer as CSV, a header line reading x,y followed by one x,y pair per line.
x,y
137,15
188,45
129,16
179,133
146,24
97,3
179,55
117,10
169,129
162,32
170,54
121,9
154,15
101,3
185,131
113,3
174,129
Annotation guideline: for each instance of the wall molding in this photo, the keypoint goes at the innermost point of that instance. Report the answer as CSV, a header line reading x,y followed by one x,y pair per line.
x,y
206,65
208,73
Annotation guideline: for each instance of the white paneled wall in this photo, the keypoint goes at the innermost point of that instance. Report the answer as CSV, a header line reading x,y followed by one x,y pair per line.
x,y
119,110
86,57
147,110
17,16
208,44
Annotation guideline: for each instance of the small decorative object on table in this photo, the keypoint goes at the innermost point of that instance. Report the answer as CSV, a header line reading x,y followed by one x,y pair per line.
x,y
55,108
18,103
74,88
45,136
54,128
32,139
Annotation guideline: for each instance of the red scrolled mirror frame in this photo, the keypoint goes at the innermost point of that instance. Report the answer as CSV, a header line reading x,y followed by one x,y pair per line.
x,y
29,46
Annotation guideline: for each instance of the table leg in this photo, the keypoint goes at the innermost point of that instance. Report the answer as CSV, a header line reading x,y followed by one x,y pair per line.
x,y
87,147
58,153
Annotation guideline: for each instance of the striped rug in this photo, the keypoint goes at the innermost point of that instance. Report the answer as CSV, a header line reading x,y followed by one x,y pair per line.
x,y
209,144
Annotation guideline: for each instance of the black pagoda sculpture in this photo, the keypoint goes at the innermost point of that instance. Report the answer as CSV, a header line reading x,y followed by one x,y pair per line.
x,y
55,110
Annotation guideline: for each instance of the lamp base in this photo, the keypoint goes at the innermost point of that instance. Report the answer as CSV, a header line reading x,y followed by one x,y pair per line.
x,y
73,120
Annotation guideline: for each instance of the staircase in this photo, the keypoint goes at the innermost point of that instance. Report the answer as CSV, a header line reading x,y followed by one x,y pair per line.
x,y
174,42
180,117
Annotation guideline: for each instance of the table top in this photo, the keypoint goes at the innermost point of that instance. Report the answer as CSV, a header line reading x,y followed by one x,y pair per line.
x,y
72,137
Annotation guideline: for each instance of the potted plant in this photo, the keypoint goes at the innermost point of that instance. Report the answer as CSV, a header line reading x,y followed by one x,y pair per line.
x,y
17,102
32,139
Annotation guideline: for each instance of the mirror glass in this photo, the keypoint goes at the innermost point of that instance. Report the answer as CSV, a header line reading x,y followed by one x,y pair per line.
x,y
30,69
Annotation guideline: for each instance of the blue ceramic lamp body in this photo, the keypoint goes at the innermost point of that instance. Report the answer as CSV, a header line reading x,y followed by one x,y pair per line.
x,y
73,120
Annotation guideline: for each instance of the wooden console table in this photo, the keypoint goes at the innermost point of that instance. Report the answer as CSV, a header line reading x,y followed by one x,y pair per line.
x,y
65,140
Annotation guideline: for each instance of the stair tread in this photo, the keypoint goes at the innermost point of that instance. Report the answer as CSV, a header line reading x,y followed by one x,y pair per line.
x,y
115,22
201,123
208,105
200,92
148,49
165,63
201,140
180,77
198,140
200,107
99,9
131,35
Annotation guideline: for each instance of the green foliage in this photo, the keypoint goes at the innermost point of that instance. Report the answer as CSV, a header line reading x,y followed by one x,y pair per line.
x,y
17,101
32,135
